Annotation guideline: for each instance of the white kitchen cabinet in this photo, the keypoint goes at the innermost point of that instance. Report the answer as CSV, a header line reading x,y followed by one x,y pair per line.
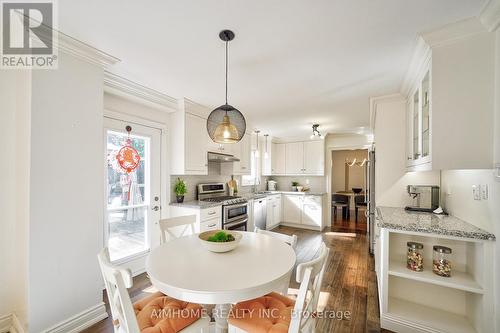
x,y
294,157
206,219
450,109
267,164
189,140
292,208
196,150
273,211
314,158
312,212
242,150
278,161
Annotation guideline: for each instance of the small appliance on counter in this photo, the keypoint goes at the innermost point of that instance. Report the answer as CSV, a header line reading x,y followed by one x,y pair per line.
x,y
425,198
272,185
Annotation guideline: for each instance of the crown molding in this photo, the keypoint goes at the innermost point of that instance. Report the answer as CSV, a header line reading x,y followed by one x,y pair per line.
x,y
84,51
375,101
490,15
419,61
69,45
454,32
122,87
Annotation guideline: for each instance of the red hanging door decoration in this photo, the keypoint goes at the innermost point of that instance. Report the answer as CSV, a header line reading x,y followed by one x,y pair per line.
x,y
127,157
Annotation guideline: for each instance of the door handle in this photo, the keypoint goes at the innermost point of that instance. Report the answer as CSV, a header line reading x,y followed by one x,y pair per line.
x,y
156,208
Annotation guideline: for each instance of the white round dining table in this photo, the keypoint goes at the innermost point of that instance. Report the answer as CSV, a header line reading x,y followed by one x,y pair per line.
x,y
184,269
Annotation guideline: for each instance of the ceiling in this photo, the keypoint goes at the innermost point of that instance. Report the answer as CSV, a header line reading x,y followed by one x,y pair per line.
x,y
292,63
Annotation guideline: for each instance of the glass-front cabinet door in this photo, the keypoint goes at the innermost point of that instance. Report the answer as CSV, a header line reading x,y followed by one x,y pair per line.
x,y
419,124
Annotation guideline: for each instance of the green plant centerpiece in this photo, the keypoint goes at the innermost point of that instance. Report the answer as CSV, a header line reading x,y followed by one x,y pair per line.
x,y
180,189
221,237
294,186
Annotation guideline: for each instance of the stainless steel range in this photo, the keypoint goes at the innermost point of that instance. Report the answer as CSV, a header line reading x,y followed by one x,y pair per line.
x,y
234,209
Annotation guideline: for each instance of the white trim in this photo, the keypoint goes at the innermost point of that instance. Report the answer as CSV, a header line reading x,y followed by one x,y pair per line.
x,y
10,323
79,49
123,87
374,101
421,57
490,15
80,321
453,32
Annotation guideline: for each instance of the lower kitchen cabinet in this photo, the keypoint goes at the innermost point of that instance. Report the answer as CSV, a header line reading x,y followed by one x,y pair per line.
x,y
292,208
312,212
206,218
273,211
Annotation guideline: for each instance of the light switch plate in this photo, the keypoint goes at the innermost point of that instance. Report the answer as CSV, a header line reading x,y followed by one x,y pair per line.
x,y
476,192
484,192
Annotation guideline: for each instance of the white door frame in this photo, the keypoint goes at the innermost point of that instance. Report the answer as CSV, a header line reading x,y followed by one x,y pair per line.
x,y
328,173
137,263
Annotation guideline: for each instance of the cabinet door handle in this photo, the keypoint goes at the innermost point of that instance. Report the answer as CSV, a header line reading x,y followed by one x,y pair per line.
x,y
211,213
211,225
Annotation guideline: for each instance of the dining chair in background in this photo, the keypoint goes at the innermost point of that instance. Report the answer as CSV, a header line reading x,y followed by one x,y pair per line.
x,y
176,227
340,201
136,318
359,202
284,314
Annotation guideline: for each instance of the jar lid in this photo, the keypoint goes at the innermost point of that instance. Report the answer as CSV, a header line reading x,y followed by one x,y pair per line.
x,y
442,249
415,245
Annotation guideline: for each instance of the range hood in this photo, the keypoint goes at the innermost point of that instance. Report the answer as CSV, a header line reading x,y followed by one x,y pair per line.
x,y
221,158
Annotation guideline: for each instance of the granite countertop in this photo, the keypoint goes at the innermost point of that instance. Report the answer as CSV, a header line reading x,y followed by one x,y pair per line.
x,y
196,204
251,196
400,219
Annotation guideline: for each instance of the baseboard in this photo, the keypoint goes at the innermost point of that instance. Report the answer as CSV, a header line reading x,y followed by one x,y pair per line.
x,y
10,323
300,226
80,321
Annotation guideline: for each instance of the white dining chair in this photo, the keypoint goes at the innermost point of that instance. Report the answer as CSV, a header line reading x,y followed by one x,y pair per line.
x,y
290,240
176,227
125,314
298,316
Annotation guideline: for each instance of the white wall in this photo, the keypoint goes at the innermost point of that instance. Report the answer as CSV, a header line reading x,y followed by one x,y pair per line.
x,y
14,176
66,201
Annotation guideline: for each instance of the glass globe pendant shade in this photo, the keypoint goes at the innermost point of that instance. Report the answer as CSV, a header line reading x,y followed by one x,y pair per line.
x,y
226,125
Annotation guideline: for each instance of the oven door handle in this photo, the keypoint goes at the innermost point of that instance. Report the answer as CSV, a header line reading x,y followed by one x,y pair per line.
x,y
232,224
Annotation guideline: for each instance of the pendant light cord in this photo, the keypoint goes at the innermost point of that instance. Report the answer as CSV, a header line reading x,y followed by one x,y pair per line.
x,y
226,72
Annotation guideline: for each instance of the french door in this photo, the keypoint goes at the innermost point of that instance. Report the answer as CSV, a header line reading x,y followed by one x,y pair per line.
x,y
132,198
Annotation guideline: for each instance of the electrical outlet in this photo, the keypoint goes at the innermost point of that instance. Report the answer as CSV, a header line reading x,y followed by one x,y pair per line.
x,y
476,192
484,192
307,181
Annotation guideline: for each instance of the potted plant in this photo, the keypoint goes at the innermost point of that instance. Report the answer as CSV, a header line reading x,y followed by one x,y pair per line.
x,y
294,186
180,189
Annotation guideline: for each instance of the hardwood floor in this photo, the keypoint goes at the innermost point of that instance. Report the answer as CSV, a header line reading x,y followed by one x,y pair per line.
x,y
349,289
350,224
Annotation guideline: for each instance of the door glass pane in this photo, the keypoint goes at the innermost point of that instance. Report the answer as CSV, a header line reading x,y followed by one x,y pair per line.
x,y
425,116
127,198
416,131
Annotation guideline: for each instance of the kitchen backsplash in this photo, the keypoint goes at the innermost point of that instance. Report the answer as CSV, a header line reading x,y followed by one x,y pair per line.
x,y
215,175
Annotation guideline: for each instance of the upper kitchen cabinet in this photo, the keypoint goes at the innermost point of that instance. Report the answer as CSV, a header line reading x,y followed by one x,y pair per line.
x,y
450,100
243,151
277,158
188,140
305,158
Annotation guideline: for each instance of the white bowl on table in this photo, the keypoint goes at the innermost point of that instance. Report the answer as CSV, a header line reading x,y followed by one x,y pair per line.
x,y
220,246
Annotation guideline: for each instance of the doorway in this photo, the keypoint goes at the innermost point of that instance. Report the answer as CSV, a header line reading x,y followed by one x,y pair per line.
x,y
349,184
132,197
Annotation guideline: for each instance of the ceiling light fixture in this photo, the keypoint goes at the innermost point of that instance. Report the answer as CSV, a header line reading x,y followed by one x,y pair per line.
x,y
316,133
226,124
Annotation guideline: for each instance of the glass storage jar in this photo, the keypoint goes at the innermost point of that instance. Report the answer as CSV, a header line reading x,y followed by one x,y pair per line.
x,y
414,256
441,263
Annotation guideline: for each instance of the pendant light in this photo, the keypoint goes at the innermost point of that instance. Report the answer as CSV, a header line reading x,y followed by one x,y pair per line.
x,y
316,133
226,124
266,154
257,143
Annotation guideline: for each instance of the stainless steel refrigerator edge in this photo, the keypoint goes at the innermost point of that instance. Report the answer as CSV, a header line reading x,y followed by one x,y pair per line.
x,y
371,218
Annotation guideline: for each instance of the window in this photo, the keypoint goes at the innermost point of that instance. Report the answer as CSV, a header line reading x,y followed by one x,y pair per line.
x,y
254,177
